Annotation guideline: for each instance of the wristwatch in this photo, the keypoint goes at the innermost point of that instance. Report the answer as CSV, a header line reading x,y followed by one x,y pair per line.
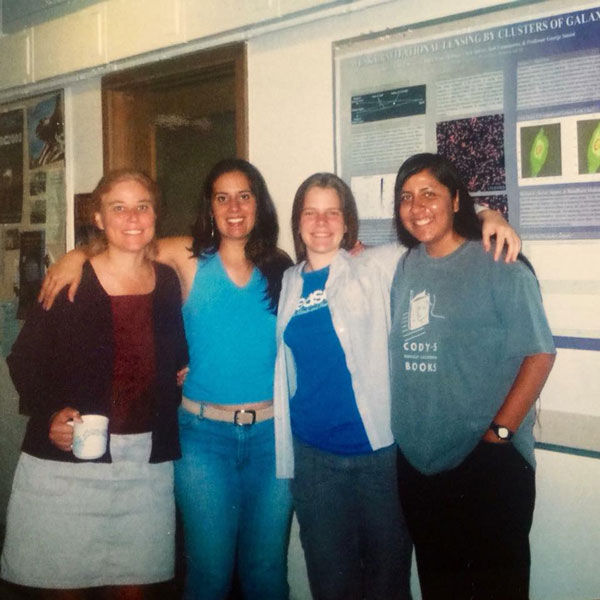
x,y
504,433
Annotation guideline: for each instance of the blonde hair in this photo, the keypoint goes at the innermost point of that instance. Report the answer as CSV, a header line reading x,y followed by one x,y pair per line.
x,y
98,242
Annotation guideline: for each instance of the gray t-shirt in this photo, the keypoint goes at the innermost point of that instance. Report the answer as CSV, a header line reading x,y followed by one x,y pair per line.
x,y
461,326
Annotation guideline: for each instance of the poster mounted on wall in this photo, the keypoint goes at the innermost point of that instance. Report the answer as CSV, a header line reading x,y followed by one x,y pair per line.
x,y
32,195
11,166
46,132
31,270
511,98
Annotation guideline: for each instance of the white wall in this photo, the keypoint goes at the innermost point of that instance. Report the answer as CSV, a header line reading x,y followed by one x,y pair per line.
x,y
85,126
565,538
290,83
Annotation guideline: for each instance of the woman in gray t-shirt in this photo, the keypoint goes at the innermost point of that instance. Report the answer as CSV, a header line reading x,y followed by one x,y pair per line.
x,y
470,350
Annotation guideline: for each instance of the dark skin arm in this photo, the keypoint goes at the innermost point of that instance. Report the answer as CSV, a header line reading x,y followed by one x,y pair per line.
x,y
524,392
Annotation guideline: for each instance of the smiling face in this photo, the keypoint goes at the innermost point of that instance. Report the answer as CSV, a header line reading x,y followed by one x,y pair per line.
x,y
127,216
322,225
427,210
233,206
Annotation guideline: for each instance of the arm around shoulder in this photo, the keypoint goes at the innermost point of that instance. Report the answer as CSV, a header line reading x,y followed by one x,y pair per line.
x,y
494,224
65,272
174,251
386,257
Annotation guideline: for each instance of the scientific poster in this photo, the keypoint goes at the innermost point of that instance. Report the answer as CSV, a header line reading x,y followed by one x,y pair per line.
x,y
514,105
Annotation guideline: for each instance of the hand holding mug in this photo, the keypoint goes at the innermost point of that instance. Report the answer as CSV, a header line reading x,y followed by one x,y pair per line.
x,y
90,436
61,428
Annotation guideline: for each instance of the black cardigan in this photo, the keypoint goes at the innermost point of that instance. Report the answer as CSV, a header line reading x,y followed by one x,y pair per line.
x,y
64,357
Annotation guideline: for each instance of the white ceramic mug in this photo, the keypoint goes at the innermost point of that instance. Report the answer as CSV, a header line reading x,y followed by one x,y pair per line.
x,y
90,436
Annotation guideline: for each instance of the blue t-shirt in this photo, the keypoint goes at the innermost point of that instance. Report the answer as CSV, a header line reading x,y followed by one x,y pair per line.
x,y
323,411
461,327
231,337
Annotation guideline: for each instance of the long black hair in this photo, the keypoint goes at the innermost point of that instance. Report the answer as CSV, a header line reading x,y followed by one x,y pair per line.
x,y
261,248
465,223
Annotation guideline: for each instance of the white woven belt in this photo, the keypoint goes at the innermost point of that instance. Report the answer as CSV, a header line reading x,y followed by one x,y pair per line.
x,y
240,416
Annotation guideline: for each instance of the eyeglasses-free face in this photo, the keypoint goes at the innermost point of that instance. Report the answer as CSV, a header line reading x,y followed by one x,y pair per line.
x,y
427,211
233,206
322,225
127,216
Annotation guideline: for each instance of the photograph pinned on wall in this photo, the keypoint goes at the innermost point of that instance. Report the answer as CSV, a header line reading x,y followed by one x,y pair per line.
x,y
31,269
476,147
588,146
11,239
37,183
46,132
55,208
38,211
541,154
11,166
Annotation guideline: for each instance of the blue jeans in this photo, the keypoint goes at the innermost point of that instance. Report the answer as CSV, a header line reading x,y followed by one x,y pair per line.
x,y
233,508
354,536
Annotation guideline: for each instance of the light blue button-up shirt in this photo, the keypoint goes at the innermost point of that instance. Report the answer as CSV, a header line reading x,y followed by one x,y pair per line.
x,y
358,292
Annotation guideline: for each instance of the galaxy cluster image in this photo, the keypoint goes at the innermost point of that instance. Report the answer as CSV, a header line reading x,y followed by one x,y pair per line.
x,y
476,147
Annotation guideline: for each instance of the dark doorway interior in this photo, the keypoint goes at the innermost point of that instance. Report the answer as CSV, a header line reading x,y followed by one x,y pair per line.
x,y
174,119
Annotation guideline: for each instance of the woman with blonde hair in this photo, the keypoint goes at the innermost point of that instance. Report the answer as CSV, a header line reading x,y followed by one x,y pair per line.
x,y
106,523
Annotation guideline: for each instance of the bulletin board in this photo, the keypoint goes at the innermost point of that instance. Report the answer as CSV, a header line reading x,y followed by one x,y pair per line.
x,y
32,202
512,97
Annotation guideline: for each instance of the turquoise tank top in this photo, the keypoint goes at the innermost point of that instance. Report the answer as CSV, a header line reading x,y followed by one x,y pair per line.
x,y
231,337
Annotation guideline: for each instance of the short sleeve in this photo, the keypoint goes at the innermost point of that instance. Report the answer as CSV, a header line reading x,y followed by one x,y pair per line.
x,y
386,257
519,301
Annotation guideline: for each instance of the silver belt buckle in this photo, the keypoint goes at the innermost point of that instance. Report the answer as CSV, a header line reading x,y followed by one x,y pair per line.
x,y
240,417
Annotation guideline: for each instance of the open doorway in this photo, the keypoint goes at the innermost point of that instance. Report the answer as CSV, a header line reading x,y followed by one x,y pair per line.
x,y
174,119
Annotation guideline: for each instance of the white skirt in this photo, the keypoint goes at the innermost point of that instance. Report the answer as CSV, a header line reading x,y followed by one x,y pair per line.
x,y
78,525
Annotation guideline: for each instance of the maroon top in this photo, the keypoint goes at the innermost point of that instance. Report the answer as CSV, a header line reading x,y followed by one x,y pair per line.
x,y
132,401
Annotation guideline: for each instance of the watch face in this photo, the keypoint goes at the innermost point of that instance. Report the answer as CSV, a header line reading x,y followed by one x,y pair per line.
x,y
503,433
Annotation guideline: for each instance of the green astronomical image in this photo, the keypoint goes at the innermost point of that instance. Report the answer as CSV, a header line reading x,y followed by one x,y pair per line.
x,y
541,151
588,146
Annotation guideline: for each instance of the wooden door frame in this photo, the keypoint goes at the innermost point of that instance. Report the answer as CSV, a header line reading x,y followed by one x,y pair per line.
x,y
119,91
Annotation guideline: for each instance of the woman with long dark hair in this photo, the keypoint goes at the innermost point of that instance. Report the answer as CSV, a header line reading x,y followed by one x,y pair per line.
x,y
231,503
470,350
